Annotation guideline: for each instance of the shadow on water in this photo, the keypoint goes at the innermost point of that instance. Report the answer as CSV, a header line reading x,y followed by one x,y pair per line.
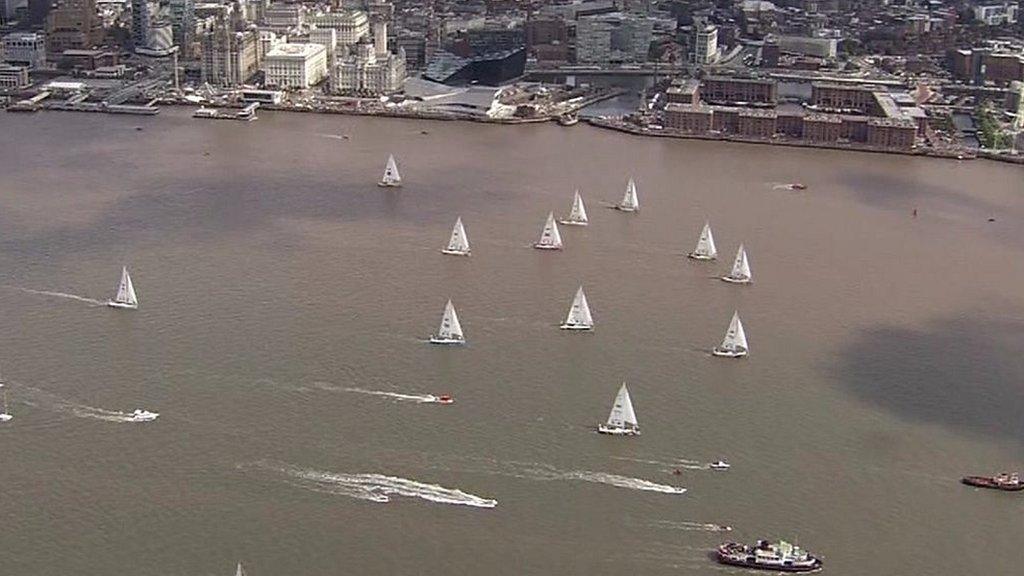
x,y
963,373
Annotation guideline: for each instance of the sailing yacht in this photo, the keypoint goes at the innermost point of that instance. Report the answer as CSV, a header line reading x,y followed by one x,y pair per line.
x,y
629,201
705,249
450,331
391,178
458,244
239,571
740,273
125,296
6,415
550,239
578,213
579,317
734,345
622,420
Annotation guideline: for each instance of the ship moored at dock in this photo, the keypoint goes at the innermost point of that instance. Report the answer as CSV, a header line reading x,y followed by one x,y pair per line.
x,y
778,556
246,114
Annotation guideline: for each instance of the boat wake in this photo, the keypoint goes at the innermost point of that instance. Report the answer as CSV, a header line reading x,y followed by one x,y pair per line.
x,y
545,472
374,487
334,136
397,396
64,295
688,526
101,414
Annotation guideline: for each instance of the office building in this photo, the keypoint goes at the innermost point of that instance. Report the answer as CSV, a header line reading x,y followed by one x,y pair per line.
x,y
613,38
369,73
295,66
72,25
230,58
25,49
705,45
142,23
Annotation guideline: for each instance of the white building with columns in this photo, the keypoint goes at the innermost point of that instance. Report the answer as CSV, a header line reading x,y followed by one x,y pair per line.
x,y
295,66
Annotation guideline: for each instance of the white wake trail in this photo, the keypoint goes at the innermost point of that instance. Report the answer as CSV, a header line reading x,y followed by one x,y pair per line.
x,y
545,472
65,295
689,526
376,487
101,414
417,398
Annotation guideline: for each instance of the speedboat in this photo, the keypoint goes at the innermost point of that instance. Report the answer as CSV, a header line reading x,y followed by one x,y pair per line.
x,y
5,417
140,415
719,465
445,399
798,186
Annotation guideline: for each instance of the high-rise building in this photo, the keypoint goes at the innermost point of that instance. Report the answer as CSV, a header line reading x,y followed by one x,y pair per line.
x,y
705,45
141,23
183,21
72,25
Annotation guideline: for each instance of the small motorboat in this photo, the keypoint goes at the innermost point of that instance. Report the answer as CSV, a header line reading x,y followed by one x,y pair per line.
x,y
719,465
140,415
445,399
677,472
424,132
798,186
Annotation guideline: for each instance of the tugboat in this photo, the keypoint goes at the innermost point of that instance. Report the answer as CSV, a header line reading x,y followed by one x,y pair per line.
x,y
778,556
1004,481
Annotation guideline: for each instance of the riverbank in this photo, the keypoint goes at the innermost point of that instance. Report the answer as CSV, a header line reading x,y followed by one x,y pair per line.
x,y
628,128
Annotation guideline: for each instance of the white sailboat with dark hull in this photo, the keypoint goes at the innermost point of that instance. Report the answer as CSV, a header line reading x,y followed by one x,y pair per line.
x,y
391,178
734,345
5,415
705,249
458,243
579,317
450,331
630,202
578,214
550,239
125,296
622,420
740,273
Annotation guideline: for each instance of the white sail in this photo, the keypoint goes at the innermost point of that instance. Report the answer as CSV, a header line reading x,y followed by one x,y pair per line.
x,y
239,571
550,239
125,295
579,313
5,414
740,267
622,414
735,338
705,249
450,328
578,213
459,242
391,176
630,203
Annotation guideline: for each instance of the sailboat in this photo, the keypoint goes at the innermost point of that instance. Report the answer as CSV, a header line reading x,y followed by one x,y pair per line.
x,y
705,249
629,201
391,178
125,296
450,331
550,239
622,420
458,244
239,571
579,317
740,273
734,345
578,213
6,415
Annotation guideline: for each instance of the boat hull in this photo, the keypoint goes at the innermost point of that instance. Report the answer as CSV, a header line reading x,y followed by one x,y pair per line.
x,y
983,482
576,327
384,184
732,280
748,562
722,353
695,256
546,247
572,223
625,209
446,341
122,305
611,431
455,252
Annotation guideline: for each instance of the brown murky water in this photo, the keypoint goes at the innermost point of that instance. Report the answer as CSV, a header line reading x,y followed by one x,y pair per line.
x,y
285,300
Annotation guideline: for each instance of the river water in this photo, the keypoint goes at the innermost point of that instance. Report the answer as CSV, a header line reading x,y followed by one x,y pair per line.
x,y
285,300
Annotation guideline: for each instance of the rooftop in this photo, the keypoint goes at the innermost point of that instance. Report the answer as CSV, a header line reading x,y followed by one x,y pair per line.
x,y
295,51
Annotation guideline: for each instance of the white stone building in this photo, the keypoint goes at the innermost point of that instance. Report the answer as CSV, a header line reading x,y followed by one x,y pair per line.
x,y
25,48
295,66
